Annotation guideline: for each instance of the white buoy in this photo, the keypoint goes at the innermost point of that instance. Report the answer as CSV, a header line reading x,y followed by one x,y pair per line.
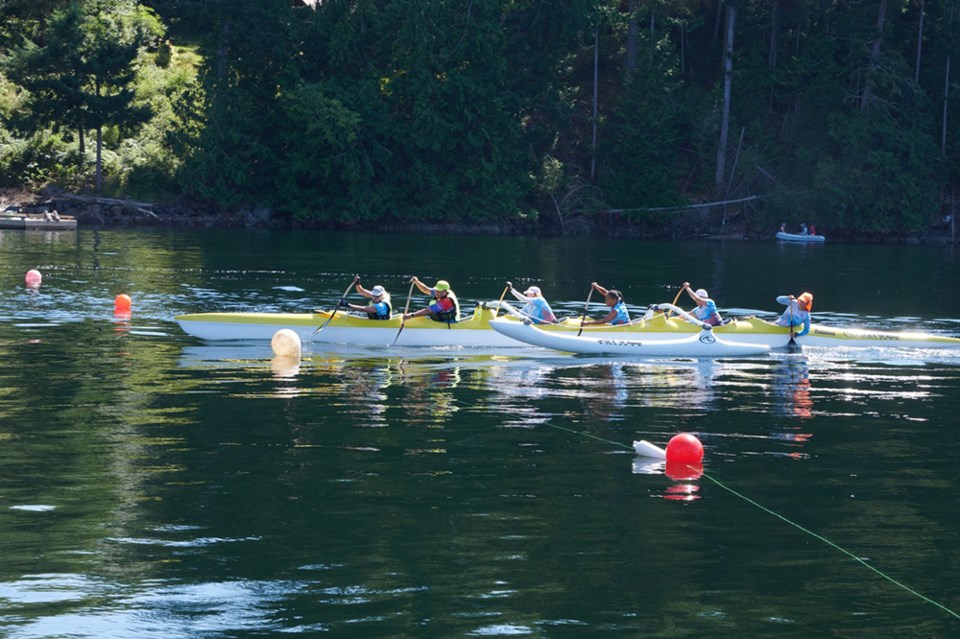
x,y
286,343
646,449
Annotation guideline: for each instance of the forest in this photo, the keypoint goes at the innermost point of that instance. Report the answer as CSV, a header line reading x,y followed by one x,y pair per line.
x,y
650,117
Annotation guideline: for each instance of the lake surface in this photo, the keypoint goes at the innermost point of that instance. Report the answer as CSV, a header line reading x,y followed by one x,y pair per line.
x,y
152,485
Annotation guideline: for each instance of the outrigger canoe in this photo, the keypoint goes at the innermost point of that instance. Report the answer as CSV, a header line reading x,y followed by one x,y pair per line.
x,y
475,330
702,344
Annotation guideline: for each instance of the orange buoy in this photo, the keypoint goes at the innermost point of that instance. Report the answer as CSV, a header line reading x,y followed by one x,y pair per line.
x,y
684,448
121,304
33,277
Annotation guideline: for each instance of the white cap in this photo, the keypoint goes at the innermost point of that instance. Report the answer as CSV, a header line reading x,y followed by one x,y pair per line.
x,y
377,291
702,293
532,291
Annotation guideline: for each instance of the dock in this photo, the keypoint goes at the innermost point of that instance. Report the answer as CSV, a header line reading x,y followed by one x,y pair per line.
x,y
38,222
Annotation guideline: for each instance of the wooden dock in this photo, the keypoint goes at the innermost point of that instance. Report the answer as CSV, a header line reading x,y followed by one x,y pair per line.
x,y
38,222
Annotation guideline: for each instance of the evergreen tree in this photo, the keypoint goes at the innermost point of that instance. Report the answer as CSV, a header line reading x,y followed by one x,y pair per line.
x,y
82,75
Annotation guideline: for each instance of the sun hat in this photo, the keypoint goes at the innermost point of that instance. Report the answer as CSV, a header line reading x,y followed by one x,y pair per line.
x,y
805,301
442,285
702,293
377,291
532,291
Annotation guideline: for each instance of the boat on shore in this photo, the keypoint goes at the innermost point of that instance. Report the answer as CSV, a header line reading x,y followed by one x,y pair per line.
x,y
475,330
702,344
783,236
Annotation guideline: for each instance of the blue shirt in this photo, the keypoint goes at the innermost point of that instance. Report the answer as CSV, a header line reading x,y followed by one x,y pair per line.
x,y
539,311
707,313
794,315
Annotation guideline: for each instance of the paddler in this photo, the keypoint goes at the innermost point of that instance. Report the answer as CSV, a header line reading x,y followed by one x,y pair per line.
x,y
379,307
445,307
797,313
706,310
618,309
535,307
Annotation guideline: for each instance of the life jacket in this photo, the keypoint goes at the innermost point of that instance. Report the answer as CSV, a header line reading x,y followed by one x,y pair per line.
x,y
623,316
376,316
451,315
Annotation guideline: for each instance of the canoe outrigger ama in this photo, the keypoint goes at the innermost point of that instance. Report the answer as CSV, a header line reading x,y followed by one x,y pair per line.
x,y
475,330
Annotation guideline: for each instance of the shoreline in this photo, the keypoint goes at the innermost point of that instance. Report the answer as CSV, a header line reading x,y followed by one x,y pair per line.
x,y
183,214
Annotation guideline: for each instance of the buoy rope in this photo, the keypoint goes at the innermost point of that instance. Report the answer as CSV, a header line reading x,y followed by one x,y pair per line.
x,y
828,542
807,531
591,436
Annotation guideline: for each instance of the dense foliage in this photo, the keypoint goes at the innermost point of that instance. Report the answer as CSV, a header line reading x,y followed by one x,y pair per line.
x,y
561,112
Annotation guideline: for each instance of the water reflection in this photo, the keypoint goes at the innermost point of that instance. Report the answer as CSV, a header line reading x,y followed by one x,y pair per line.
x,y
792,386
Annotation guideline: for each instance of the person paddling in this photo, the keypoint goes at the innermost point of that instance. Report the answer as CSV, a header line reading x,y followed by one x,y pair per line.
x,y
379,307
535,306
797,312
618,309
445,307
706,310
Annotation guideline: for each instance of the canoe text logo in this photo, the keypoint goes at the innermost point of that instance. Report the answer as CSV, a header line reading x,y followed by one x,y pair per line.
x,y
708,338
618,342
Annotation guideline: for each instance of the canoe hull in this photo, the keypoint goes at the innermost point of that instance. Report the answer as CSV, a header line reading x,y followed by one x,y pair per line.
x,y
475,331
702,344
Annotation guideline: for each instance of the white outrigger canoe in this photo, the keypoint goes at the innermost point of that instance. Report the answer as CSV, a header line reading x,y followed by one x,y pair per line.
x,y
702,344
475,330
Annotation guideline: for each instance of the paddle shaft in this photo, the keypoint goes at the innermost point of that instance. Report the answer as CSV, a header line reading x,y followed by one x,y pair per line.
x,y
792,344
335,309
406,309
585,307
676,297
496,311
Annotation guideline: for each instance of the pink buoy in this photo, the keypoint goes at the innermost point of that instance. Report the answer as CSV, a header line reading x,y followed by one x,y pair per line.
x,y
121,304
684,448
33,277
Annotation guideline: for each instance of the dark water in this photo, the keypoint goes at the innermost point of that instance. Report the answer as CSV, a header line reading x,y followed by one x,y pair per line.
x,y
155,486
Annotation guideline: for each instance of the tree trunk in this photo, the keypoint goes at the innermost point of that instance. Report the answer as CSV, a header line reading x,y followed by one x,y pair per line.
x,y
99,159
946,104
774,25
596,80
867,97
223,51
82,139
99,143
916,70
727,83
633,33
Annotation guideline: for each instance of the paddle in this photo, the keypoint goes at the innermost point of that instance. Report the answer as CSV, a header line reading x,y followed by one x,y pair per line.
x,y
792,345
356,280
680,292
502,295
406,309
585,307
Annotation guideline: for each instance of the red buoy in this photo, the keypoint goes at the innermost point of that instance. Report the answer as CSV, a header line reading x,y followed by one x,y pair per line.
x,y
684,448
121,304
